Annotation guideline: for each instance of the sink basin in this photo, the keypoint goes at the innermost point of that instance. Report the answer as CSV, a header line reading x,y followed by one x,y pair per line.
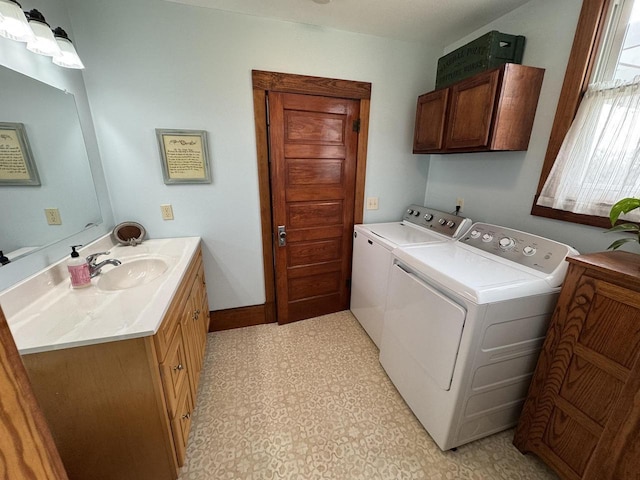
x,y
132,273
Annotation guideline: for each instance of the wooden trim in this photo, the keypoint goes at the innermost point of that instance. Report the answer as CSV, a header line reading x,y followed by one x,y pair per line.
x,y
28,449
591,24
361,162
264,187
263,82
239,317
566,216
327,87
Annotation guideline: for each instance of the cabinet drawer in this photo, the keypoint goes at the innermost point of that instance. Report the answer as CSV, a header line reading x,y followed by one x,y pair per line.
x,y
174,372
181,423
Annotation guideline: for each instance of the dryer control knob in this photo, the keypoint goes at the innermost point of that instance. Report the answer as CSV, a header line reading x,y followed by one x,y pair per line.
x,y
487,237
529,251
451,224
507,243
475,234
416,213
428,217
442,221
409,211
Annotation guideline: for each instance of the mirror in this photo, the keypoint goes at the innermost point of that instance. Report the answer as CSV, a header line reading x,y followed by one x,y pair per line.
x,y
52,129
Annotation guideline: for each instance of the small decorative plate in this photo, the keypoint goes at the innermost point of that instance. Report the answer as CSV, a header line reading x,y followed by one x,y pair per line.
x,y
129,233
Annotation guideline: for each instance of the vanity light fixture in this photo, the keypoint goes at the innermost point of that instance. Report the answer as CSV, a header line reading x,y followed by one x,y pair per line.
x,y
43,42
31,27
13,22
68,56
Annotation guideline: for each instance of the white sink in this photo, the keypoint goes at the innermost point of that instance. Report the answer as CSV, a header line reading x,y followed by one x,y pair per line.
x,y
132,273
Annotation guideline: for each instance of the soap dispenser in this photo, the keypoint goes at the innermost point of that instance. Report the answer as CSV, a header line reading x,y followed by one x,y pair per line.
x,y
78,270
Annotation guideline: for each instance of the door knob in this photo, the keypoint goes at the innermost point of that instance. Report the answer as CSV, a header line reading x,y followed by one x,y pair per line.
x,y
282,236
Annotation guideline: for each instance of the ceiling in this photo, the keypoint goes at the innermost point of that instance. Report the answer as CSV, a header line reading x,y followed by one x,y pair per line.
x,y
434,22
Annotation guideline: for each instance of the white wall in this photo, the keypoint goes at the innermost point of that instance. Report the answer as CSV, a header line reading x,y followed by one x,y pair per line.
x,y
153,64
14,55
499,187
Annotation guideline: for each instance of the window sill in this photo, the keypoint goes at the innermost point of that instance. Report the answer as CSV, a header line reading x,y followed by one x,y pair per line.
x,y
565,216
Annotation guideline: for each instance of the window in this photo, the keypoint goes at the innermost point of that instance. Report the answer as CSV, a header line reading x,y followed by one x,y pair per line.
x,y
593,158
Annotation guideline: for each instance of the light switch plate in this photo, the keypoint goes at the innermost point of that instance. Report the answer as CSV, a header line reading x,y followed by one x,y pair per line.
x,y
53,216
372,203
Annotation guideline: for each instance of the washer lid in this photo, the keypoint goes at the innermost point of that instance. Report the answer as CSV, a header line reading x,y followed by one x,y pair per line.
x,y
476,277
404,234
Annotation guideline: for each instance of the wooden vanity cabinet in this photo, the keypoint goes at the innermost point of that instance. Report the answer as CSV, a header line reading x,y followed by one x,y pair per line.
x,y
582,413
122,410
490,111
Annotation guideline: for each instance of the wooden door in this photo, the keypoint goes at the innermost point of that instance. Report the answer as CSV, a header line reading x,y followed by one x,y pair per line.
x,y
313,142
430,121
471,111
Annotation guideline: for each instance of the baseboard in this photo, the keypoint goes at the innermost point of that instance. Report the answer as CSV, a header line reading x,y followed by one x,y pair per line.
x,y
240,317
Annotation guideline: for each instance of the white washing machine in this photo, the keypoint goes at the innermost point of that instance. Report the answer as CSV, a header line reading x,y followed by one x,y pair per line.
x,y
372,246
464,324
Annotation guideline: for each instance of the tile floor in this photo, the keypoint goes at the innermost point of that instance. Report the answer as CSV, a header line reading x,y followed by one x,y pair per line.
x,y
310,400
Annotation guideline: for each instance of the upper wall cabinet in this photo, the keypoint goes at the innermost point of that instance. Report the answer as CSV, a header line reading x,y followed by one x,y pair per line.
x,y
491,111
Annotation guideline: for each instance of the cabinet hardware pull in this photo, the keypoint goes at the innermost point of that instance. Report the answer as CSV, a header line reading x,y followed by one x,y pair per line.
x,y
178,367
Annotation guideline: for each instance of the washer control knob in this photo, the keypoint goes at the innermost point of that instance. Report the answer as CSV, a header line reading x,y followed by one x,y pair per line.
x,y
428,217
507,243
475,234
451,224
529,251
487,237
416,213
409,211
442,221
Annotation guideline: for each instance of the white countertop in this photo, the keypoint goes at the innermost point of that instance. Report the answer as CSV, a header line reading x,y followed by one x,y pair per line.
x,y
44,313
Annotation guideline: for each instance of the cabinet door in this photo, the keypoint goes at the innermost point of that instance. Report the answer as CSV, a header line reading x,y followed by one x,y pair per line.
x,y
195,323
174,370
471,108
202,302
430,121
189,332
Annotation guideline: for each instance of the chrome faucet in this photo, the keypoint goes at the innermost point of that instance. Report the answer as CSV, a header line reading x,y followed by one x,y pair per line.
x,y
95,268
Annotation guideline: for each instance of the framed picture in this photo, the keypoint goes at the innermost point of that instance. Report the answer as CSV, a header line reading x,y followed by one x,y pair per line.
x,y
185,156
16,160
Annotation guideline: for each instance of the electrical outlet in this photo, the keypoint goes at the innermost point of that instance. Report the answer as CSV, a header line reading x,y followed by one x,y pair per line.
x,y
372,203
53,216
167,212
460,203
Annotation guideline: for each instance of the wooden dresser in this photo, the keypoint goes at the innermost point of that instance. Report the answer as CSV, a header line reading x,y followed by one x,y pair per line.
x,y
582,414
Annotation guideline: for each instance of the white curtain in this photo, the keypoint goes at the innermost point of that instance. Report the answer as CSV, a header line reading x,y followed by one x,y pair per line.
x,y
599,161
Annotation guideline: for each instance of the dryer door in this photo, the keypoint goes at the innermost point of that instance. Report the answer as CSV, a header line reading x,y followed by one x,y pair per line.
x,y
425,328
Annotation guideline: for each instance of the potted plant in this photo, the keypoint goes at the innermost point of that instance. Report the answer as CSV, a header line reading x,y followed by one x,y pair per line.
x,y
624,206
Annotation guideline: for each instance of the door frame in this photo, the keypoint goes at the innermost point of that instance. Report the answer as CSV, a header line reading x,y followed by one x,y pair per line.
x,y
265,82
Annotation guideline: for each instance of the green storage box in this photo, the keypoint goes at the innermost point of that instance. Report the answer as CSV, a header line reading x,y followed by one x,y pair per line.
x,y
484,53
